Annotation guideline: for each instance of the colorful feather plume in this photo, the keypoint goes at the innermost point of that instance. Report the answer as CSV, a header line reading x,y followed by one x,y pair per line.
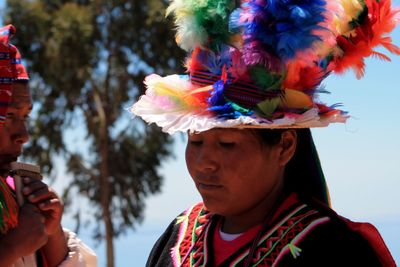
x,y
201,23
275,30
210,61
345,19
370,32
262,62
175,93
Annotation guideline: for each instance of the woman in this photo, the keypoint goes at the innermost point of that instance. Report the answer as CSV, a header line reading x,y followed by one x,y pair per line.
x,y
255,70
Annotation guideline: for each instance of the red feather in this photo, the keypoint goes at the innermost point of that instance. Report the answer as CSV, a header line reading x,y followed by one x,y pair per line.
x,y
193,63
381,20
301,77
380,56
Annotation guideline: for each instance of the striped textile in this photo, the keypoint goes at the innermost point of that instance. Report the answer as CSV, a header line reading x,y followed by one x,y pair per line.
x,y
11,69
243,93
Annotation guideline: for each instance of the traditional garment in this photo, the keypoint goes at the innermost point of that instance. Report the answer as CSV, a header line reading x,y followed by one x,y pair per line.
x,y
300,234
79,255
9,208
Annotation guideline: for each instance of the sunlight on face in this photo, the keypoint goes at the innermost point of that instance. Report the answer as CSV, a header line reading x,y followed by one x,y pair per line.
x,y
14,133
232,170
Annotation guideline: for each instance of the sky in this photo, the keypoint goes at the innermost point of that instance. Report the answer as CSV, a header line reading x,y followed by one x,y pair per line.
x,y
360,159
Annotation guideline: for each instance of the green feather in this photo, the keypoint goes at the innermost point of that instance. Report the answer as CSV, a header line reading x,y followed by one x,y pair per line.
x,y
267,107
265,79
202,22
360,17
239,108
214,17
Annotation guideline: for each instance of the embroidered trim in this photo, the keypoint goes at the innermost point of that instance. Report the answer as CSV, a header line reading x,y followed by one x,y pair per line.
x,y
190,249
295,241
242,256
183,220
273,242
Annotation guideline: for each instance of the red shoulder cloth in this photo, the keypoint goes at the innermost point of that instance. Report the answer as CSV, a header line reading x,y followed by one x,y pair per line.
x,y
368,232
371,234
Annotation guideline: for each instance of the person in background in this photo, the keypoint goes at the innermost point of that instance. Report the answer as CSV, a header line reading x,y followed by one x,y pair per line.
x,y
249,101
30,235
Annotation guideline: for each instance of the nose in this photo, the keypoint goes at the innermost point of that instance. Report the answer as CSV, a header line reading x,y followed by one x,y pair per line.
x,y
207,160
21,134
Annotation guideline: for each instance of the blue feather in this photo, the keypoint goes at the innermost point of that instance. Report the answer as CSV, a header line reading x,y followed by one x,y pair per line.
x,y
223,107
284,27
214,62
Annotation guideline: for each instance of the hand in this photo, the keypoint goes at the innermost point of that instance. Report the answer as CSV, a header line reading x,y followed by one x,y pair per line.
x,y
26,238
48,202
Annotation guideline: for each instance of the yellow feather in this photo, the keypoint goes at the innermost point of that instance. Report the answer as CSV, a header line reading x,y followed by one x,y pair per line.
x,y
295,99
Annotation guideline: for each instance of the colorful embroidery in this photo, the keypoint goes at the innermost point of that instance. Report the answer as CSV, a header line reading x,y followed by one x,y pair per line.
x,y
296,251
272,244
191,248
8,208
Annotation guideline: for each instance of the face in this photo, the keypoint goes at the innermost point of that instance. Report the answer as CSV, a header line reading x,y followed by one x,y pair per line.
x,y
232,169
14,132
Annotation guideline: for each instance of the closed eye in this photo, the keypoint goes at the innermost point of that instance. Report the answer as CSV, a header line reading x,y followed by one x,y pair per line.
x,y
227,144
10,114
196,142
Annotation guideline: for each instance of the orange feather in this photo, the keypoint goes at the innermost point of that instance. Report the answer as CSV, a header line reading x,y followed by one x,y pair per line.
x,y
302,77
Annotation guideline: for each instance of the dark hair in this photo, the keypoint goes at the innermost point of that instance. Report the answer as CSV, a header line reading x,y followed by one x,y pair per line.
x,y
303,173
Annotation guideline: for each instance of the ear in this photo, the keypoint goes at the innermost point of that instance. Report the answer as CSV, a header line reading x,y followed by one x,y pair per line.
x,y
288,146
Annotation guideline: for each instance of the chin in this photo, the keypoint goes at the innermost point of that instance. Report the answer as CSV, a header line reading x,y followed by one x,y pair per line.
x,y
5,164
4,171
215,207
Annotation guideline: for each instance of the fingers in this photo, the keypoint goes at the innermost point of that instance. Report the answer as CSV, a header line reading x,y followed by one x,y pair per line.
x,y
50,204
32,185
36,191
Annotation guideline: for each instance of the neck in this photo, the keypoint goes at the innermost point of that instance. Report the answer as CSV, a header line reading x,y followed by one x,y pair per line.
x,y
257,214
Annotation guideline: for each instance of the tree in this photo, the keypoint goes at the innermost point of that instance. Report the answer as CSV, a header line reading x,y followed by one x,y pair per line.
x,y
87,60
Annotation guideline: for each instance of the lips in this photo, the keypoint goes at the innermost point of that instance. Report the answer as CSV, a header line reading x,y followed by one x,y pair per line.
x,y
208,184
202,186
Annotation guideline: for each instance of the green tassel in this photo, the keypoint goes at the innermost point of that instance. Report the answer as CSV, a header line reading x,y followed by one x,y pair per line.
x,y
181,219
294,250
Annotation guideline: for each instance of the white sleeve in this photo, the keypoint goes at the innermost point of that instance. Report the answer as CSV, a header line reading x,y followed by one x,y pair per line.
x,y
79,255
